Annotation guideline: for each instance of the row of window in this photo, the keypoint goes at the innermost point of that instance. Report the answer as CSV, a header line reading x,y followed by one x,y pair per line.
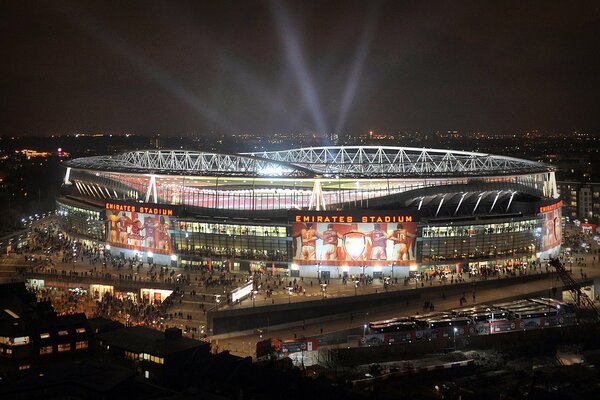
x,y
63,347
478,247
483,229
67,209
144,356
16,341
62,332
80,221
244,247
232,229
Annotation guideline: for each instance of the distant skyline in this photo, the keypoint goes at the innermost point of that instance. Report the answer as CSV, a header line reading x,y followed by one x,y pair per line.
x,y
184,67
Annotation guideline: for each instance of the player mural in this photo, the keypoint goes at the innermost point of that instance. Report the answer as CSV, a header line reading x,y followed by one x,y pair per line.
x,y
354,243
552,226
143,231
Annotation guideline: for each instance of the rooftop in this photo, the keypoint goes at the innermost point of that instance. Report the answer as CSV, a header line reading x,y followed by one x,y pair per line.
x,y
328,162
139,339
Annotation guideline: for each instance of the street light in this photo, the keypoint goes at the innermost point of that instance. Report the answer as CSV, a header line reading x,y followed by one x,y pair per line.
x,y
416,280
455,330
323,289
254,292
289,288
356,283
217,301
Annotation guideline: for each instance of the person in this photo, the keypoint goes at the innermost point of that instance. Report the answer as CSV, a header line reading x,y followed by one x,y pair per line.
x,y
378,239
149,226
123,224
113,223
135,237
162,233
309,236
400,236
330,241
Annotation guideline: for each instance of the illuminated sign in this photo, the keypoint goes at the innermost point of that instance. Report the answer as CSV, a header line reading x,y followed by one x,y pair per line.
x,y
139,227
296,347
242,291
551,207
343,218
354,238
155,295
139,208
551,227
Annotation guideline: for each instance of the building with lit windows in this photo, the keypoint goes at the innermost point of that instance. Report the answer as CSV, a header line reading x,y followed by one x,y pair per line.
x,y
581,200
326,211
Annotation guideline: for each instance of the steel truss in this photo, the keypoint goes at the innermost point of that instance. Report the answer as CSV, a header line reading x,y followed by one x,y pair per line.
x,y
377,161
189,163
349,162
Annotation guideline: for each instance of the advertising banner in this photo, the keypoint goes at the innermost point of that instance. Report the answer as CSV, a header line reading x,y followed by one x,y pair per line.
x,y
354,239
552,226
139,227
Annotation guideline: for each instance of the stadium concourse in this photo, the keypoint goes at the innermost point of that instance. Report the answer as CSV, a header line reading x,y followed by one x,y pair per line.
x,y
68,275
354,213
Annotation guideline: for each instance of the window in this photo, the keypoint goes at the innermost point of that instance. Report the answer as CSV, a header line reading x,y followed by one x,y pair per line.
x,y
131,356
45,335
147,374
46,350
18,341
83,344
80,330
151,358
64,347
24,367
63,332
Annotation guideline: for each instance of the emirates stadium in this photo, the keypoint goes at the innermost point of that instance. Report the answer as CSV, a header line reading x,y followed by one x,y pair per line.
x,y
318,211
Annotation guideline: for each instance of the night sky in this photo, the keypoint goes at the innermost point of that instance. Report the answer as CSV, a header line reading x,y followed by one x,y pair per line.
x,y
196,67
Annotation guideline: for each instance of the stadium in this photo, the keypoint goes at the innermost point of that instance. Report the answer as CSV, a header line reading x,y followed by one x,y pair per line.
x,y
318,211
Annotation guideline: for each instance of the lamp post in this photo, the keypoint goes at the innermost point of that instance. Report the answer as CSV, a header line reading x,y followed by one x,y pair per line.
x,y
356,282
217,301
289,289
323,289
455,330
254,293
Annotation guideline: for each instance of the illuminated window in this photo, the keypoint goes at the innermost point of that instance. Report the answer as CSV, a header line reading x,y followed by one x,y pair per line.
x,y
46,350
23,367
151,358
19,341
63,333
80,330
44,335
131,356
64,347
81,345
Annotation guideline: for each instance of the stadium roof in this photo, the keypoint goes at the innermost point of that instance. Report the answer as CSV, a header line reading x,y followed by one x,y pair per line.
x,y
335,161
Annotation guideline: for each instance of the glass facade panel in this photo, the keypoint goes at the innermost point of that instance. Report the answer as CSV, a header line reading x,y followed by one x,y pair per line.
x,y
81,221
489,241
251,242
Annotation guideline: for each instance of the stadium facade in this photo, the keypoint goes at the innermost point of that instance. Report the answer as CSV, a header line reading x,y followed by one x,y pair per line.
x,y
319,211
